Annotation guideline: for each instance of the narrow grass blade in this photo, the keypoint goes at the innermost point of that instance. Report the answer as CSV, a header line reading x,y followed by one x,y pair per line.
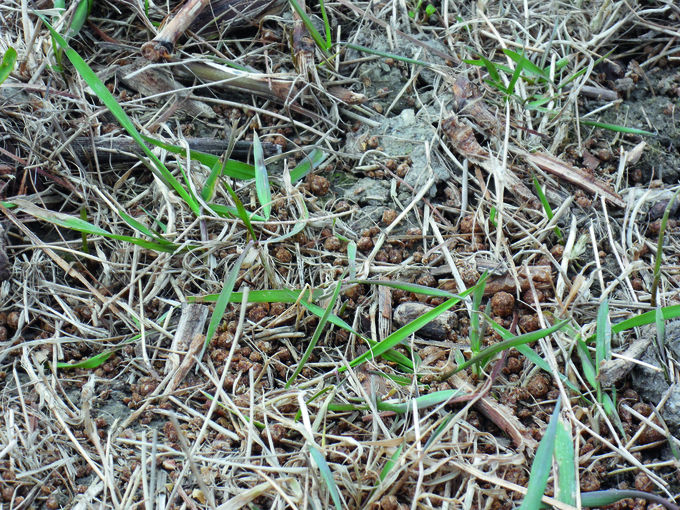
x,y
603,335
227,211
326,474
225,294
668,313
659,247
422,402
513,80
404,332
326,24
352,259
262,187
261,296
440,428
542,465
475,330
490,67
80,225
320,327
103,93
525,64
309,163
140,227
309,25
492,350
661,341
230,167
546,206
7,65
241,211
586,364
83,236
95,361
397,357
162,226
391,462
603,498
208,191
583,70
298,227
566,468
529,353
410,287
79,18
616,128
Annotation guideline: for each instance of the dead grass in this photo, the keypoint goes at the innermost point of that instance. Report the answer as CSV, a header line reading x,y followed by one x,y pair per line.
x,y
162,424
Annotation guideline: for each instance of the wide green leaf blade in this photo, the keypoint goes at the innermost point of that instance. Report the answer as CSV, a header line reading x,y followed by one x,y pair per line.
x,y
542,465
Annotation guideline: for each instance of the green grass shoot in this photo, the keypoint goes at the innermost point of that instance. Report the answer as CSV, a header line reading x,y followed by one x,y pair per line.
x,y
103,93
546,206
320,328
262,186
8,61
225,295
542,464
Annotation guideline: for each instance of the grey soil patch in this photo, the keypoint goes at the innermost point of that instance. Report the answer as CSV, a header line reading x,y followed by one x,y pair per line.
x,y
653,385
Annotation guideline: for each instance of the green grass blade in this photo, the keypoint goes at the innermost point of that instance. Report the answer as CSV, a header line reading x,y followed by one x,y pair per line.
x,y
475,330
103,93
529,353
83,236
326,24
352,259
95,361
546,206
525,64
404,332
310,28
225,294
231,167
241,211
80,225
309,163
586,363
616,128
511,343
261,296
392,461
326,474
668,313
542,465
262,187
510,90
582,71
490,67
140,227
320,327
210,185
603,498
659,248
79,18
409,287
603,335
422,402
7,65
402,360
227,211
566,468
